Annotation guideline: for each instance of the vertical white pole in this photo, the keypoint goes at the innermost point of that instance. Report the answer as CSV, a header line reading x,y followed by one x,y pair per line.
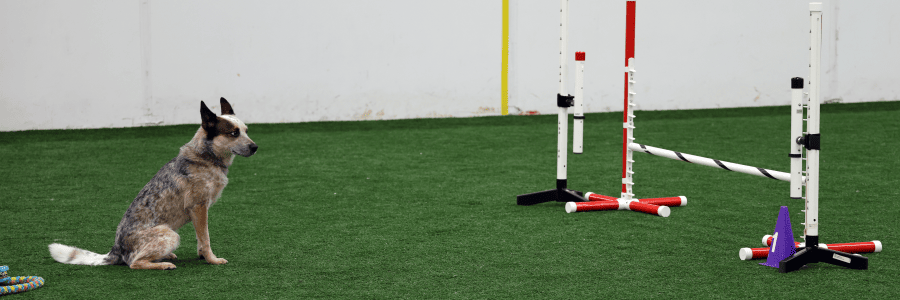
x,y
796,152
628,181
578,134
812,123
563,120
563,37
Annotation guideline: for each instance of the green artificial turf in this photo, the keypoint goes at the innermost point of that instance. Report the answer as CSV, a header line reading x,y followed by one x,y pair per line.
x,y
426,209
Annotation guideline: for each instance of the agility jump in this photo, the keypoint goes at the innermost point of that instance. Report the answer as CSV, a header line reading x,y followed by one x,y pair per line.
x,y
804,148
804,157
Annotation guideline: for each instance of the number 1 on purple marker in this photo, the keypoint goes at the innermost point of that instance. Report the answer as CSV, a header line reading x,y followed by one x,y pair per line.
x,y
774,241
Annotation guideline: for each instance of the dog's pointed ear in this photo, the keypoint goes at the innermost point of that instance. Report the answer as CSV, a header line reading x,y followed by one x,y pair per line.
x,y
208,117
226,107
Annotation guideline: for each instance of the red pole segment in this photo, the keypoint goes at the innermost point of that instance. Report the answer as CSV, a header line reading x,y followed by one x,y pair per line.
x,y
625,139
591,206
668,201
753,253
595,197
662,211
629,53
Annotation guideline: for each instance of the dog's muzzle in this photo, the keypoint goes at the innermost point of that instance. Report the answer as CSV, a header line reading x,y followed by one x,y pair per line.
x,y
246,152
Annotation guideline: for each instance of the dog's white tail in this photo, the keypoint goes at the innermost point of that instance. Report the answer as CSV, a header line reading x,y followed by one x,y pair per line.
x,y
74,256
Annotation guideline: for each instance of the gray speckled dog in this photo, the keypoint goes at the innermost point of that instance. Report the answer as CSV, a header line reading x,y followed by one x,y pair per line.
x,y
182,191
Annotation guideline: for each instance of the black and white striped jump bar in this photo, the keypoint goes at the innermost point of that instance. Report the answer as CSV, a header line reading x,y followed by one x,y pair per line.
x,y
709,162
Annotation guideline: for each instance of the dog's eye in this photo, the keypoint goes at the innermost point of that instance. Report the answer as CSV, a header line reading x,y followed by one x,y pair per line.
x,y
235,133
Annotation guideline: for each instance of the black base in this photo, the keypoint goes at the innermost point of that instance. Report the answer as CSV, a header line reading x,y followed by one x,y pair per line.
x,y
558,195
815,254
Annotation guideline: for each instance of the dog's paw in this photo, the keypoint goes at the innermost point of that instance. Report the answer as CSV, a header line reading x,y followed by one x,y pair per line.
x,y
217,261
171,256
168,266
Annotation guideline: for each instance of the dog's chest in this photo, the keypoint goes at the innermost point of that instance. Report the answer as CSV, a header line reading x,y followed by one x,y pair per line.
x,y
212,183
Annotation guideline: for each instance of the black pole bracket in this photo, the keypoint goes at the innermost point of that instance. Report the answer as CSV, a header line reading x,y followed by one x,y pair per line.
x,y
810,141
565,101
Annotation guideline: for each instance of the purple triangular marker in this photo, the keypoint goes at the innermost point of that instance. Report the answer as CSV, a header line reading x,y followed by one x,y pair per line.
x,y
782,241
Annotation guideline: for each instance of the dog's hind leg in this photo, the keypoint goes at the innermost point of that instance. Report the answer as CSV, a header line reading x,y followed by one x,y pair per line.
x,y
156,243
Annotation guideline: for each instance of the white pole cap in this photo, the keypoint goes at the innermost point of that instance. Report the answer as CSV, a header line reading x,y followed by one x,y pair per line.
x,y
815,6
664,211
745,253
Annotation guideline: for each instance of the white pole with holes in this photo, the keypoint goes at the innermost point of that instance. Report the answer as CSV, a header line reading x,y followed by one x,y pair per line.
x,y
578,134
563,121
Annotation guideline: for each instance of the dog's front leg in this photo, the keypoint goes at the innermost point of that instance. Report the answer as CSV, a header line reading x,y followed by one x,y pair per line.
x,y
199,216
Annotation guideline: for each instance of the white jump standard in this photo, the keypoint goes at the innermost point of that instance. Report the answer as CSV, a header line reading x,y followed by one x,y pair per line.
x,y
627,201
810,140
563,102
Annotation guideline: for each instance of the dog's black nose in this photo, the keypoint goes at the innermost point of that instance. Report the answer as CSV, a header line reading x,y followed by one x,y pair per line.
x,y
253,147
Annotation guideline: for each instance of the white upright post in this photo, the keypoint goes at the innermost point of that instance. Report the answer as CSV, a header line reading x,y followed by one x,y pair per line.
x,y
563,101
563,120
812,252
578,134
628,180
812,125
796,153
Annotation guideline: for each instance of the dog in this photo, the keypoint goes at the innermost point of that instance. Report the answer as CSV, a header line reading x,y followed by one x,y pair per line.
x,y
181,192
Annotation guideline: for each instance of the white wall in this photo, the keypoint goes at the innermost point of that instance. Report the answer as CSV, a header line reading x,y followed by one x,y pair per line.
x,y
113,63
707,54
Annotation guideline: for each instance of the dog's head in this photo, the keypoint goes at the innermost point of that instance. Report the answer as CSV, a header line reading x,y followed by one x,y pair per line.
x,y
227,133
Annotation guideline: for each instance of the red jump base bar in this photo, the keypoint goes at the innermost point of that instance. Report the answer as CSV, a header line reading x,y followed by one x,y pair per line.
x,y
653,206
852,248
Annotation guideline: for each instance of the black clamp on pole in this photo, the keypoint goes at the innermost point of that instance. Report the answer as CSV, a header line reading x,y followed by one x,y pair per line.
x,y
565,101
797,83
810,141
